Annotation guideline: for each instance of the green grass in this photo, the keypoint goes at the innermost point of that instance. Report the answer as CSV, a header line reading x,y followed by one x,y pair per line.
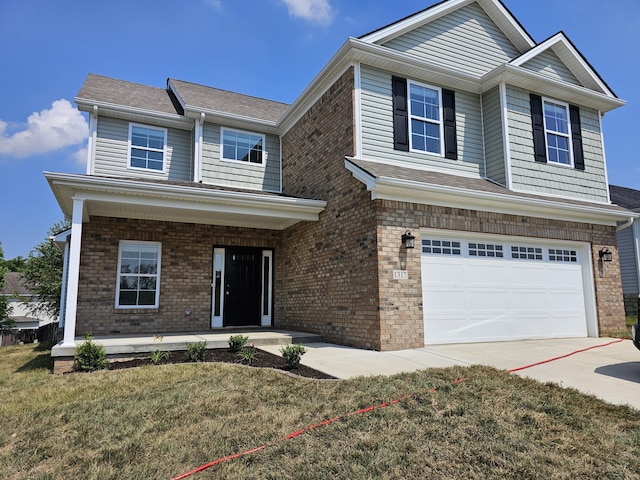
x,y
161,421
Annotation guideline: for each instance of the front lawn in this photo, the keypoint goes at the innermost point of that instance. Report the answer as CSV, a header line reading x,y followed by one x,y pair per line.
x,y
161,421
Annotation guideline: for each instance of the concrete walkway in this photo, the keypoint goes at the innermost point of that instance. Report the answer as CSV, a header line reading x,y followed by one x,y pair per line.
x,y
611,373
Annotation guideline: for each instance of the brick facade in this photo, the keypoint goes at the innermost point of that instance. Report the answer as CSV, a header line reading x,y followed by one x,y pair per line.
x,y
395,217
186,274
329,278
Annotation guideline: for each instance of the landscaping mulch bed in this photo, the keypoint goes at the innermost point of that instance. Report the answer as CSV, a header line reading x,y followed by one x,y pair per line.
x,y
263,360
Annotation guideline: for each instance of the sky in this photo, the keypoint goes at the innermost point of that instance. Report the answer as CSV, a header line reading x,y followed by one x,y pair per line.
x,y
266,48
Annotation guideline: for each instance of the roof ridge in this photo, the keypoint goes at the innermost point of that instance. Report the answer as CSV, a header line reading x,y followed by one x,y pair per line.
x,y
227,91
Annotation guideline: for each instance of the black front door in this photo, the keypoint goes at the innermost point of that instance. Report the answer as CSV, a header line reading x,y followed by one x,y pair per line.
x,y
242,289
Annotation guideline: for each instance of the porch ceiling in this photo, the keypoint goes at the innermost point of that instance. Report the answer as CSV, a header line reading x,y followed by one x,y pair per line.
x,y
145,200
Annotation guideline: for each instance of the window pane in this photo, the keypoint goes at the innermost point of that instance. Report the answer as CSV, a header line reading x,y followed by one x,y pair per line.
x,y
556,118
138,280
147,298
147,145
127,298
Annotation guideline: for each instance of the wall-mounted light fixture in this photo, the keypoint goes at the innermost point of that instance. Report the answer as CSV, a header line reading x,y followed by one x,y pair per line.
x,y
605,255
408,240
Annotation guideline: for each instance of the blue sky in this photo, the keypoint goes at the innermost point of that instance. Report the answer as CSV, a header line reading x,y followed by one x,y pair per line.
x,y
266,48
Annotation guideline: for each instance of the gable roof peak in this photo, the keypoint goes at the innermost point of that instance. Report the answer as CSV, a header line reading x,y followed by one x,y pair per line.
x,y
572,58
495,9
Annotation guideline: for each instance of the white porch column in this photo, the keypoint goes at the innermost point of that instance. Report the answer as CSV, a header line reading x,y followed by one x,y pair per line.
x,y
65,281
73,273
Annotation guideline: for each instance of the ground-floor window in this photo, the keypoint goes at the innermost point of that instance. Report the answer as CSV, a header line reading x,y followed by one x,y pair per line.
x,y
138,275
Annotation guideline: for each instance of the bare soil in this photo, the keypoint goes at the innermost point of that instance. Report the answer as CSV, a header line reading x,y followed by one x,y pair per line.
x,y
263,360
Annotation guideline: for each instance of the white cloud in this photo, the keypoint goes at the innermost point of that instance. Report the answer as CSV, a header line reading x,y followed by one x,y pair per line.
x,y
80,157
316,11
49,130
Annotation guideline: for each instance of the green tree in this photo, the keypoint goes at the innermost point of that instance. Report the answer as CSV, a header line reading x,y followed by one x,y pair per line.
x,y
16,264
6,323
43,274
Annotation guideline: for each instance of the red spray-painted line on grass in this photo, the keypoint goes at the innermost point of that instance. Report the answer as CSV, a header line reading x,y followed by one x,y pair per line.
x,y
565,356
365,410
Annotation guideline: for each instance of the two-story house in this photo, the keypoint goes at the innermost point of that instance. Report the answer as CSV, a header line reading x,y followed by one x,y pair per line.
x,y
442,179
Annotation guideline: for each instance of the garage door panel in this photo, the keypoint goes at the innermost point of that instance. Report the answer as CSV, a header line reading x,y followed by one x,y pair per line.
x,y
472,299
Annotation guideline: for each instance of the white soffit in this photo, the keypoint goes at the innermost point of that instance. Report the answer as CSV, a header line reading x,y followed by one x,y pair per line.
x,y
161,202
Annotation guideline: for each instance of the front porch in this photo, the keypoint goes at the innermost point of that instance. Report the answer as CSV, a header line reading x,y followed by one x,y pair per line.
x,y
119,347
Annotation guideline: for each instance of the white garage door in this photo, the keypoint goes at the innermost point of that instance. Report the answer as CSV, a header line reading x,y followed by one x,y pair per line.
x,y
495,288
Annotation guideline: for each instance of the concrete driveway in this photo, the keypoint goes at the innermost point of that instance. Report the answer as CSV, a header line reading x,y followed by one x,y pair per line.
x,y
611,372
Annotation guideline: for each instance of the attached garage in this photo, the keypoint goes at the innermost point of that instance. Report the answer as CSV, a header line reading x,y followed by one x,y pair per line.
x,y
479,288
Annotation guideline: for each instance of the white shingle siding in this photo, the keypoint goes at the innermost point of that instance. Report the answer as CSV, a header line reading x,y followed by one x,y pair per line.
x,y
466,40
239,174
112,152
628,267
529,175
549,65
377,128
494,144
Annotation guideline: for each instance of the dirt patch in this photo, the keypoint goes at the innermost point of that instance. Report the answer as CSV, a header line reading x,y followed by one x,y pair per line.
x,y
263,360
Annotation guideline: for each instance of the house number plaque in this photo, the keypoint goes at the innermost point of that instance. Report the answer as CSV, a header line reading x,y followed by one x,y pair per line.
x,y
400,275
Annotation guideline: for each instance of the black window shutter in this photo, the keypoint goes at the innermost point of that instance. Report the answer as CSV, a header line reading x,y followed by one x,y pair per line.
x,y
400,114
537,118
576,137
449,114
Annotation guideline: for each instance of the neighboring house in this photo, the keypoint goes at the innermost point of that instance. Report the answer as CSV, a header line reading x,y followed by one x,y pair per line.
x,y
21,299
203,209
629,247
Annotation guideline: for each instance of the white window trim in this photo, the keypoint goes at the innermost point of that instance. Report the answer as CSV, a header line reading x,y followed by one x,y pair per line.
x,y
164,148
559,134
117,299
267,318
217,320
440,121
265,155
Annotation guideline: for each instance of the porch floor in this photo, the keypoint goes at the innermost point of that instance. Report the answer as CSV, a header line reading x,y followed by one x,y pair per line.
x,y
122,345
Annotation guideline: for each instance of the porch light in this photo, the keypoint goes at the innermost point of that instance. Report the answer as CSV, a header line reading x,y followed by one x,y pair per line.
x,y
605,255
408,240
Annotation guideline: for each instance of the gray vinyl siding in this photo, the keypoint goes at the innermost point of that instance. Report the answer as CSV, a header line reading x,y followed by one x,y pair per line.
x,y
465,40
377,128
549,65
529,175
494,136
112,143
628,267
216,171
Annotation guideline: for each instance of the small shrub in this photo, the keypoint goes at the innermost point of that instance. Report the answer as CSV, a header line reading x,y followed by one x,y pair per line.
x,y
196,351
248,354
90,356
292,354
158,356
237,342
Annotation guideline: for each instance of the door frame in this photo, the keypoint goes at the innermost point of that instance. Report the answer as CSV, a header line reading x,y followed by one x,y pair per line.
x,y
218,291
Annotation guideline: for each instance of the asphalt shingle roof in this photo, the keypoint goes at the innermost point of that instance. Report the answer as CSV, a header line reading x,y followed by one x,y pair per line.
x,y
213,99
15,285
119,92
625,197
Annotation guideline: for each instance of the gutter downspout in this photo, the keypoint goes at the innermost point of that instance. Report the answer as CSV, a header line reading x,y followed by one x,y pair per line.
x,y
626,224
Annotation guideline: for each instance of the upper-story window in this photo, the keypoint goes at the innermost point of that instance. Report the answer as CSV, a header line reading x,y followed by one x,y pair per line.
x,y
243,146
556,122
425,115
147,147
557,132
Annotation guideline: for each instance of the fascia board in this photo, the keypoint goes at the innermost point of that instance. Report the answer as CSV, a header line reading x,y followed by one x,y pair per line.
x,y
66,185
417,192
232,120
569,56
530,80
178,121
